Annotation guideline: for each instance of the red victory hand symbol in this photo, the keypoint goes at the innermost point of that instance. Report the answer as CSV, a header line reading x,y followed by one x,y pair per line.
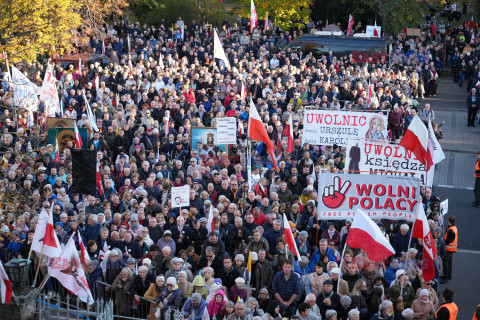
x,y
334,196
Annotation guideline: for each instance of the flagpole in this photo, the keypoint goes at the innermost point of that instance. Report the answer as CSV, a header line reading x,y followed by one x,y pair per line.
x,y
42,284
340,266
38,266
409,243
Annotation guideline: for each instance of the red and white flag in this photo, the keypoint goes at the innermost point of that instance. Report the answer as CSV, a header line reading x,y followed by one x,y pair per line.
x,y
289,240
256,131
5,286
243,92
84,258
103,47
99,181
44,239
56,158
366,235
421,230
289,133
472,33
167,127
67,269
80,65
415,139
265,24
240,129
78,139
370,92
253,16
104,250
350,25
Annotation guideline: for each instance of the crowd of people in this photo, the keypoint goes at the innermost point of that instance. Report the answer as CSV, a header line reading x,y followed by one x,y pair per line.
x,y
157,86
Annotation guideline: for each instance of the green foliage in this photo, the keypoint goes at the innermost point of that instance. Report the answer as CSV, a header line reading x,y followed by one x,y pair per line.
x,y
338,11
283,13
403,13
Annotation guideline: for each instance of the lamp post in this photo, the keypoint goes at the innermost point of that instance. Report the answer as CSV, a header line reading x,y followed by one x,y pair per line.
x,y
17,270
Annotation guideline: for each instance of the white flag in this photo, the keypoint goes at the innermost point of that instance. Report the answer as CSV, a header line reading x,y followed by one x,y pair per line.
x,y
24,91
49,94
68,270
218,49
210,227
6,291
90,116
44,239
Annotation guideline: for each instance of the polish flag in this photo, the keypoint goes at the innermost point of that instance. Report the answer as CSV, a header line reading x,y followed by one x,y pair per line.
x,y
99,181
415,139
289,240
243,92
44,239
375,30
104,250
240,129
370,93
265,24
350,25
5,286
256,131
80,65
78,139
84,258
289,133
435,154
253,16
366,235
68,270
57,152
210,224
103,47
421,230
472,33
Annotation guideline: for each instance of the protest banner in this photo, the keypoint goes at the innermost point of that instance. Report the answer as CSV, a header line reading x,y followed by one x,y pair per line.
x,y
49,94
326,127
382,158
380,197
181,196
374,31
444,207
227,130
63,135
24,91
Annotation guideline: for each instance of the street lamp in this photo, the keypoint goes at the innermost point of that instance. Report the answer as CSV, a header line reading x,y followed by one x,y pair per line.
x,y
17,270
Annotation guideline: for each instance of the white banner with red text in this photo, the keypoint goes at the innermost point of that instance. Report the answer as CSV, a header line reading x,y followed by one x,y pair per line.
x,y
380,197
326,127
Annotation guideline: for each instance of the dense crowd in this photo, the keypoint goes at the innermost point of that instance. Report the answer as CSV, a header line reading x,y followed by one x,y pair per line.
x,y
158,86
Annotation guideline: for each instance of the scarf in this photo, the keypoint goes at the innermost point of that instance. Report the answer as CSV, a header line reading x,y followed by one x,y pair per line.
x,y
331,233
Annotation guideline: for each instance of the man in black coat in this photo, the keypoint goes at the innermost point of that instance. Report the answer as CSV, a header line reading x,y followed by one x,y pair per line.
x,y
328,299
473,102
210,259
228,274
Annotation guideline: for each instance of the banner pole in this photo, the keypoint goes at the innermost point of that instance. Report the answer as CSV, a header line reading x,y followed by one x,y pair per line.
x,y
38,266
340,266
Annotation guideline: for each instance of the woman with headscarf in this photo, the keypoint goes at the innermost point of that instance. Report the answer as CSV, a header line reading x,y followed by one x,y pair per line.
x,y
184,285
422,307
216,304
153,292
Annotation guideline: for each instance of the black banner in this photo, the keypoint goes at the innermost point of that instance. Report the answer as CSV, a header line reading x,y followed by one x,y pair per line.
x,y
84,171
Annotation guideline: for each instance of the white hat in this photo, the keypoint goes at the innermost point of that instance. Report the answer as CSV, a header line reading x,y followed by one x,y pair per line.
x,y
335,270
172,281
239,280
399,273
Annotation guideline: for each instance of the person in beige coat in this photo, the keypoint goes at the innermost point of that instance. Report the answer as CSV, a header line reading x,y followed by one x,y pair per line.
x,y
422,307
339,285
431,292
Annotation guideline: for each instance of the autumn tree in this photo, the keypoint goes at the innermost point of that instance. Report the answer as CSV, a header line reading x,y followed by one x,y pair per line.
x,y
94,13
32,27
283,13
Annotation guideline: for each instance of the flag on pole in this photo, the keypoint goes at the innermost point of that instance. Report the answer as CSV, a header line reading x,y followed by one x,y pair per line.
x,y
435,153
80,65
45,237
61,108
253,16
265,24
99,181
370,92
160,61
78,139
366,235
472,33
256,131
289,133
249,264
167,127
218,51
243,92
104,250
249,166
128,42
421,230
90,116
350,25
56,158
289,240
6,290
103,47
84,258
68,270
182,32
415,139
210,224
49,94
